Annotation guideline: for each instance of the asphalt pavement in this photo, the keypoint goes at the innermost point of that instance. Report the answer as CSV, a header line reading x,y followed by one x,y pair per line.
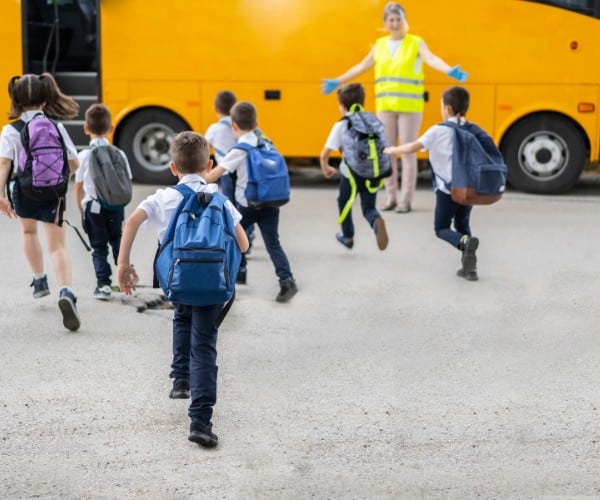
x,y
387,376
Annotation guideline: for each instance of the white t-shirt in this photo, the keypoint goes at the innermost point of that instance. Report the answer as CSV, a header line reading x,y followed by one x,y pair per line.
x,y
159,207
438,140
334,142
220,136
83,172
10,140
235,161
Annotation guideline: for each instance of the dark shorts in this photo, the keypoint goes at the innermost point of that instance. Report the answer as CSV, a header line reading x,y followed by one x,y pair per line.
x,y
43,211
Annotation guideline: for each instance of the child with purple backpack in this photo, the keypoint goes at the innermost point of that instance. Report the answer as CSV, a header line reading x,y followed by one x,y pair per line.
x,y
39,188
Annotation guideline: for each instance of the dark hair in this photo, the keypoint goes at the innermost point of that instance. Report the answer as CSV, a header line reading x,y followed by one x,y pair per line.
x,y
224,101
35,91
98,119
458,100
243,114
190,152
353,93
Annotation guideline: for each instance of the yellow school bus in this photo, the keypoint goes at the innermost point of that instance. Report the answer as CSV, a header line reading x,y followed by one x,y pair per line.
x,y
533,65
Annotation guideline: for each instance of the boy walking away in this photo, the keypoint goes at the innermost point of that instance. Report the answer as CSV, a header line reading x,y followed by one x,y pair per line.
x,y
439,140
195,327
350,96
102,189
221,139
266,216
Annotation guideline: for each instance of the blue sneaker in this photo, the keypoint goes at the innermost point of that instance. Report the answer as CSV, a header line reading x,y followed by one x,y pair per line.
x,y
40,287
347,242
67,305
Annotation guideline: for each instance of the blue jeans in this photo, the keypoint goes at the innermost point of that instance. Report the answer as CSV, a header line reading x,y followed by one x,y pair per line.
x,y
367,204
448,211
195,355
267,219
103,229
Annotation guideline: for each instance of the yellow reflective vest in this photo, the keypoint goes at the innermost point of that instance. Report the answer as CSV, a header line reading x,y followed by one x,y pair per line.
x,y
399,78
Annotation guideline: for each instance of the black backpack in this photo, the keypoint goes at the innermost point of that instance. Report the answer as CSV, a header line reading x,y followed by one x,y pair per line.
x,y
110,175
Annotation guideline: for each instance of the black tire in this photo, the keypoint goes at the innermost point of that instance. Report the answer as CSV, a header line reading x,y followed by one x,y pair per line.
x,y
145,137
545,153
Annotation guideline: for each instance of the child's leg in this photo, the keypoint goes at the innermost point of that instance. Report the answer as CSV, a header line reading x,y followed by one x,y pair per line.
x,y
343,197
56,242
390,125
408,131
367,204
248,220
268,223
115,231
31,245
462,219
203,362
97,226
182,332
445,210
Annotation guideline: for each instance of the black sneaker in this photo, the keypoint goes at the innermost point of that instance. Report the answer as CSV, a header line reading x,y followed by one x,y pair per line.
x,y
67,305
347,242
469,259
287,291
40,287
202,434
242,276
181,389
471,276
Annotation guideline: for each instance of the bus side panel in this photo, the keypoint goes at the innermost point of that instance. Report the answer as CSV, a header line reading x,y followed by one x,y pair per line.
x,y
12,53
516,101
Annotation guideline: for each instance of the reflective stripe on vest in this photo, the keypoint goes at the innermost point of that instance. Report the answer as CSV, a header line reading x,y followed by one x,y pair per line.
x,y
398,86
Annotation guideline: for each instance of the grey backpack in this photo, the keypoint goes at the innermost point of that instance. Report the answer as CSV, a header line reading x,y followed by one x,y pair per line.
x,y
111,176
362,146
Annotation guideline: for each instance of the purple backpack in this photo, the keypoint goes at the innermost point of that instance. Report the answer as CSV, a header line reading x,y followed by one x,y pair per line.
x,y
43,172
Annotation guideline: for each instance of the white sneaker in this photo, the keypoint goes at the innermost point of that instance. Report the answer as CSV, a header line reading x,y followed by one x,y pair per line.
x,y
102,292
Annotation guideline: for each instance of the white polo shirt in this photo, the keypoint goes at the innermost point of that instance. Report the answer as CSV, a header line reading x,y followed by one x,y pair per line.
x,y
159,207
235,161
334,142
439,141
220,136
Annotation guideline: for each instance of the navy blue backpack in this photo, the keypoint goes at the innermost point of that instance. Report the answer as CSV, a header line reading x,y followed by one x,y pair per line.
x,y
478,168
268,177
199,258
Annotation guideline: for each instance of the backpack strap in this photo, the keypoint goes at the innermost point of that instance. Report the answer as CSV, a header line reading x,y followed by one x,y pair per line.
x,y
18,125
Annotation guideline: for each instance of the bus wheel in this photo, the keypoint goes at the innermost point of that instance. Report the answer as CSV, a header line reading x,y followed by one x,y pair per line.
x,y
545,154
146,137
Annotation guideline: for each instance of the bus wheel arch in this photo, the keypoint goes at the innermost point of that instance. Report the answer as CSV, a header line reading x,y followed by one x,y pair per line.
x,y
545,153
145,136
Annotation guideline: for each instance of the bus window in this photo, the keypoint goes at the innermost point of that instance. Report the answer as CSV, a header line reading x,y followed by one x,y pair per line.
x,y
587,7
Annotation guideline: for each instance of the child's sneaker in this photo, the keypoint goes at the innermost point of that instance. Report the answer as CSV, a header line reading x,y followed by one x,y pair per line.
x,y
469,246
347,242
202,434
242,276
288,290
103,292
67,305
380,233
40,287
181,389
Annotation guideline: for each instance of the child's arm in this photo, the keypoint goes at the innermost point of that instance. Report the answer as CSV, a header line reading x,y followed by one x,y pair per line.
x,y
79,195
409,147
213,174
126,275
73,165
328,170
5,208
241,237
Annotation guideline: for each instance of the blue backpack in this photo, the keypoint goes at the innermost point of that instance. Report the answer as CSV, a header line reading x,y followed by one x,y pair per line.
x,y
478,168
199,258
268,177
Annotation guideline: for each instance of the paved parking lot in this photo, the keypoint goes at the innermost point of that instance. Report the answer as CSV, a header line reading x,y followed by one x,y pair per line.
x,y
386,376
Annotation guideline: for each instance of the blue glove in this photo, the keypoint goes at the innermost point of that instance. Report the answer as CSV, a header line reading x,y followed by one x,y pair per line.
x,y
458,74
329,86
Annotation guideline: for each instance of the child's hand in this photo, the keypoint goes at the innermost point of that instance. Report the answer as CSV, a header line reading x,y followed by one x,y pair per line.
x,y
6,209
328,171
127,277
390,150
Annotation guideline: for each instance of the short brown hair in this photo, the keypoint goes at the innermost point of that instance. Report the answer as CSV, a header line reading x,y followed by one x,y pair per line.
x,y
98,119
243,114
190,152
353,93
458,99
224,101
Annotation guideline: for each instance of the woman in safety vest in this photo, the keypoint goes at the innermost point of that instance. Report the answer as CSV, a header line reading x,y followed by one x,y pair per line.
x,y
399,94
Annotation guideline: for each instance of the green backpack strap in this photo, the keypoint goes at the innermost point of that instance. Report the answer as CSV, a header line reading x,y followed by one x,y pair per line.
x,y
348,205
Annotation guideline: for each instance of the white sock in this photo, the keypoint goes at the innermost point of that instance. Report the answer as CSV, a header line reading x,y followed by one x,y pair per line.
x,y
38,276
